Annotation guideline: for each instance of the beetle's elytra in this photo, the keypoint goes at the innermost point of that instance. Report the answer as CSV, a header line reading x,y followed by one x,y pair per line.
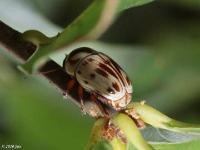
x,y
97,74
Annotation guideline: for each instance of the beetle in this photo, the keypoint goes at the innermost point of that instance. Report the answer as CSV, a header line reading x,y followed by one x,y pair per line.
x,y
96,73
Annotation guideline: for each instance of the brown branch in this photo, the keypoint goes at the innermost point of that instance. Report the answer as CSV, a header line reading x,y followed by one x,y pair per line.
x,y
11,41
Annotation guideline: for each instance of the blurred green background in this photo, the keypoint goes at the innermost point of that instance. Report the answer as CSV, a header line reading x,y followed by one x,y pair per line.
x,y
157,44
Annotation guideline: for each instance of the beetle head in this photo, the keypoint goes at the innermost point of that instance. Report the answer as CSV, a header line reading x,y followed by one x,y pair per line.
x,y
73,59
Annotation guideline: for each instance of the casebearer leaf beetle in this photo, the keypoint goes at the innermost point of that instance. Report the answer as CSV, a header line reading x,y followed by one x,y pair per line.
x,y
97,74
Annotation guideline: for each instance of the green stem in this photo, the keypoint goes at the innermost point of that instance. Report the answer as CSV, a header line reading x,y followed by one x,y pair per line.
x,y
37,37
36,60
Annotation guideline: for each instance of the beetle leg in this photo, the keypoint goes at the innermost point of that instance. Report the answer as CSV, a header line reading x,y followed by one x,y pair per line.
x,y
102,109
70,84
136,118
80,94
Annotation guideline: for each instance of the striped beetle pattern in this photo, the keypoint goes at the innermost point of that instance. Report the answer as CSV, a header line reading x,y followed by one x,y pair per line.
x,y
97,74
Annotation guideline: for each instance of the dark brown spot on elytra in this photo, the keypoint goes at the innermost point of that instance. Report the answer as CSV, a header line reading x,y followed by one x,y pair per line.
x,y
101,72
84,63
92,75
90,59
116,86
111,91
107,69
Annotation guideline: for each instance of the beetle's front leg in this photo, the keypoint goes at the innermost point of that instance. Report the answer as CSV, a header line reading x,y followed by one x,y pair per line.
x,y
133,114
80,94
70,85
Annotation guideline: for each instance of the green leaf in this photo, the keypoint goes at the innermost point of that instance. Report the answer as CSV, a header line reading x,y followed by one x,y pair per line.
x,y
192,145
152,135
35,112
125,4
175,137
155,135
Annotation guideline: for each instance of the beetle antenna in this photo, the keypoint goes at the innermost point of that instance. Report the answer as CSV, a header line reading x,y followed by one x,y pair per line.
x,y
47,72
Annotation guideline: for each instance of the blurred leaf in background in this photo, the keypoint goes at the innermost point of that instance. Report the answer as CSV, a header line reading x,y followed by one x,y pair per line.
x,y
170,78
157,44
